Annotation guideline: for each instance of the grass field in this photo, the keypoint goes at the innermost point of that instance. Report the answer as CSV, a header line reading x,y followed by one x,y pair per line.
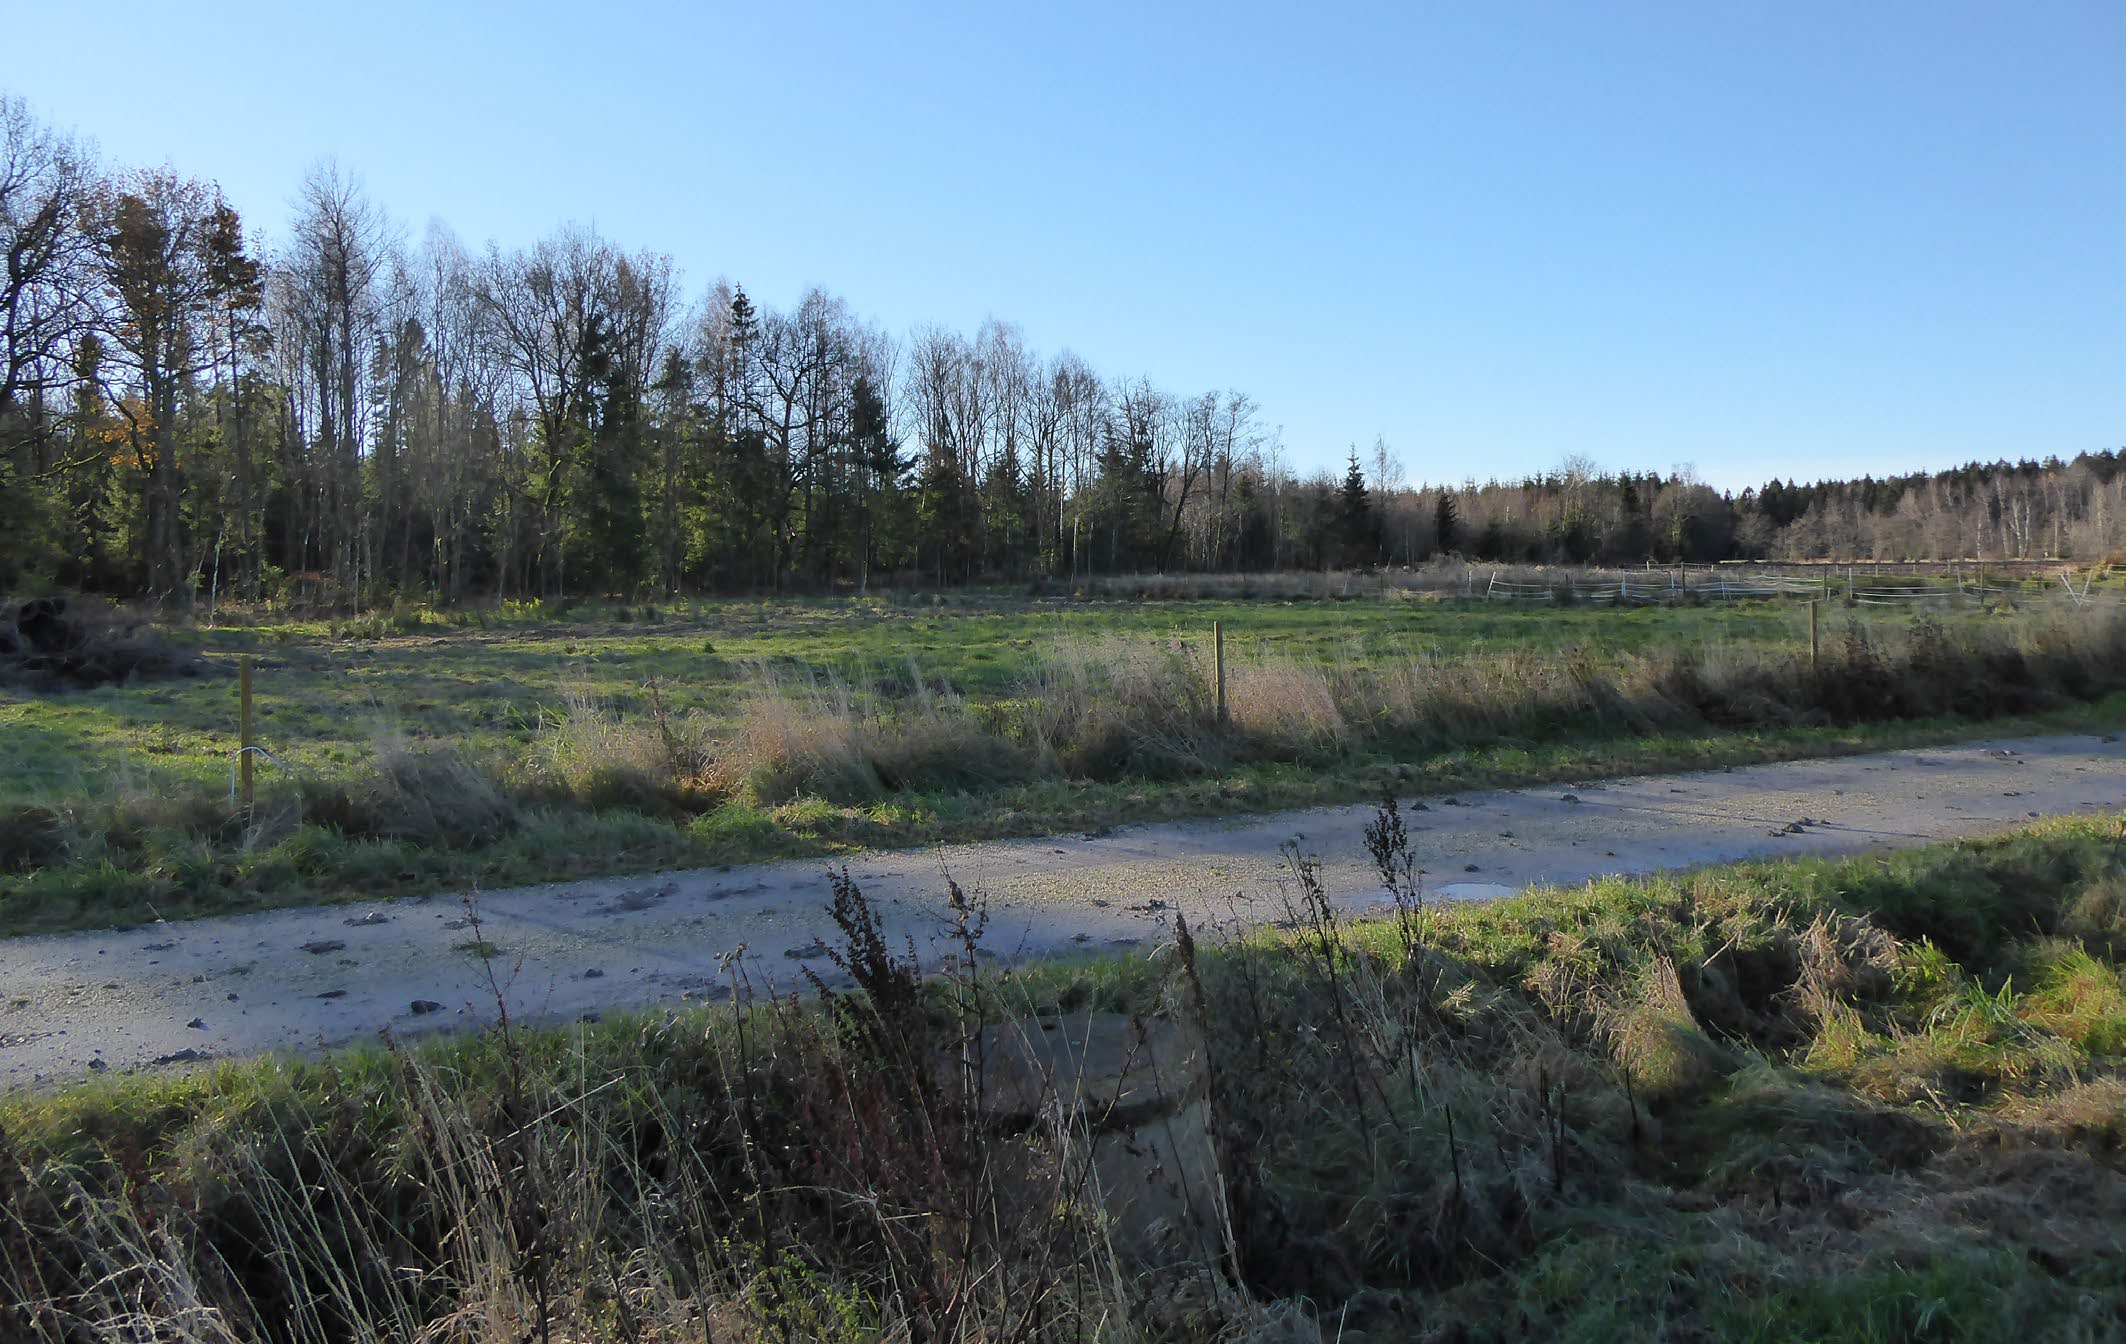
x,y
411,750
1868,1100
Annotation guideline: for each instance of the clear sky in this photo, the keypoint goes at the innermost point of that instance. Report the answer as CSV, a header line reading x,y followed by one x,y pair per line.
x,y
1795,237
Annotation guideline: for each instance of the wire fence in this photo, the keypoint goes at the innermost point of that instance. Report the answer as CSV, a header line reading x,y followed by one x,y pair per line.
x,y
1684,584
1918,584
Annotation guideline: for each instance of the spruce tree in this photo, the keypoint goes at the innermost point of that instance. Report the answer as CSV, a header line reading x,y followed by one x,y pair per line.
x,y
1356,515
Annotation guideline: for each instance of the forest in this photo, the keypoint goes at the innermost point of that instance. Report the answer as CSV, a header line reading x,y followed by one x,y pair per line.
x,y
352,415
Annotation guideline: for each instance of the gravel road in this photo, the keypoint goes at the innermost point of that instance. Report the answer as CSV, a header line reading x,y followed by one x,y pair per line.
x,y
166,995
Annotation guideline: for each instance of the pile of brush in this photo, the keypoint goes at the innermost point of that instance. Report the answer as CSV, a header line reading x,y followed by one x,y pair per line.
x,y
48,643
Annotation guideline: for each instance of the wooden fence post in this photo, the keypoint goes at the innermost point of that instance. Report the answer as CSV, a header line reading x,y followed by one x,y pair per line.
x,y
1218,661
1812,637
243,754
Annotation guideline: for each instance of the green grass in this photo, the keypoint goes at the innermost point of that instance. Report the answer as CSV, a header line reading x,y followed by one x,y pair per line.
x,y
1907,1124
115,804
490,678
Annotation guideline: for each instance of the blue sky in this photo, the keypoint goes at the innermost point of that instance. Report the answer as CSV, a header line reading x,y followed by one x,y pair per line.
x,y
1806,238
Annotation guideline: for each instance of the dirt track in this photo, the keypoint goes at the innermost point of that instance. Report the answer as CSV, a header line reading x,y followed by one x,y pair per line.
x,y
168,994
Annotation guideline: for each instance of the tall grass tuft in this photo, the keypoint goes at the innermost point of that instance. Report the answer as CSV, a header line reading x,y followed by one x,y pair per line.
x,y
1288,708
592,755
430,794
1113,708
818,736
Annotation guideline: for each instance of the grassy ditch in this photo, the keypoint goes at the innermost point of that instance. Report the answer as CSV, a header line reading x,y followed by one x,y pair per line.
x,y
1878,1099
546,753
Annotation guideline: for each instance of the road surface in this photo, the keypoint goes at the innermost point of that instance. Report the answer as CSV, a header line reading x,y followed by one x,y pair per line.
x,y
166,995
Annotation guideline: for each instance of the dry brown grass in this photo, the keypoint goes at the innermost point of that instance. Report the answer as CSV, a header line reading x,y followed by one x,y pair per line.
x,y
794,739
1107,709
817,737
1843,961
595,757
1288,707
427,793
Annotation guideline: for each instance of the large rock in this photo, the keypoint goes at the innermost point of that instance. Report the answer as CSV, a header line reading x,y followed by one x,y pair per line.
x,y
1134,1089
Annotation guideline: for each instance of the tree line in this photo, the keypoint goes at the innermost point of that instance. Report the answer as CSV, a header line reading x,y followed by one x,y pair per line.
x,y
351,415
2028,509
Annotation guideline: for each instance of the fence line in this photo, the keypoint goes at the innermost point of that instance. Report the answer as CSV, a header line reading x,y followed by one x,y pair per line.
x,y
1659,587
2022,582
